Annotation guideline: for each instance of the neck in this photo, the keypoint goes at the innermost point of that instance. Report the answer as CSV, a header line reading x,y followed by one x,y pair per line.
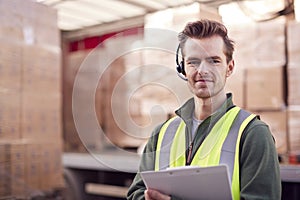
x,y
204,107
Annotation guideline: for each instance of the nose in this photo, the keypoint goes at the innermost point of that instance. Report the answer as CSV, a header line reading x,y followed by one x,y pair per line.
x,y
202,68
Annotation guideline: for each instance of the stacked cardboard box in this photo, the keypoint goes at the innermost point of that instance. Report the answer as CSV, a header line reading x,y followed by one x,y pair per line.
x,y
26,168
265,88
115,130
122,104
293,42
83,102
259,62
147,86
259,84
165,91
10,87
30,98
12,170
277,122
293,128
42,167
118,81
41,96
72,140
10,105
293,74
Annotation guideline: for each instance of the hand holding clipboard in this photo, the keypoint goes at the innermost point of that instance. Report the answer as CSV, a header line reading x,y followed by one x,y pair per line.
x,y
191,182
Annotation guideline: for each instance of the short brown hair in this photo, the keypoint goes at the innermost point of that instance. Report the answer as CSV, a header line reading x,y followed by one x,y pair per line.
x,y
206,28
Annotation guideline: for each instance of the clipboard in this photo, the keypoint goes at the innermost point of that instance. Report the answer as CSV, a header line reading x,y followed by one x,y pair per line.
x,y
191,182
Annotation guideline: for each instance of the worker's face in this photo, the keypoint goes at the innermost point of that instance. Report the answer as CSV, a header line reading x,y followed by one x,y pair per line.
x,y
206,66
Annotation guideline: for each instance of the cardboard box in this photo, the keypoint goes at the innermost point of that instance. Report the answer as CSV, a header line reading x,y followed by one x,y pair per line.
x,y
41,69
236,85
45,24
293,42
293,77
32,105
4,169
11,21
12,169
294,128
243,36
51,167
10,115
39,23
4,157
84,114
41,93
141,88
259,45
10,66
30,95
41,116
33,166
158,57
5,181
17,161
18,185
265,88
29,22
23,171
73,62
277,122
116,129
72,141
269,44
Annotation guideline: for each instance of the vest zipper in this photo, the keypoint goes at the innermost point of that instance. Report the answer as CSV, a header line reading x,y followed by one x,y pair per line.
x,y
188,161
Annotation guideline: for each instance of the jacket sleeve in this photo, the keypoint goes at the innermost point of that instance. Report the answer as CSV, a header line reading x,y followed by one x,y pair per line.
x,y
259,165
147,163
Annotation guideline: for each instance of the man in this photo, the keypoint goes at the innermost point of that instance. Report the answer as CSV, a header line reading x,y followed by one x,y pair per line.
x,y
205,126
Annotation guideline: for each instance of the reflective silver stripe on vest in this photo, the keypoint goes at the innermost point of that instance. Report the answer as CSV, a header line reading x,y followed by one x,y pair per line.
x,y
164,158
229,145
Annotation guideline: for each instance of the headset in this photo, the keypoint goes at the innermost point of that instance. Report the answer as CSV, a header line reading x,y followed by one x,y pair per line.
x,y
180,65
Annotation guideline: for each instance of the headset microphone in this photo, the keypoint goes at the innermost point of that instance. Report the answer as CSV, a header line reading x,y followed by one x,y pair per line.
x,y
180,66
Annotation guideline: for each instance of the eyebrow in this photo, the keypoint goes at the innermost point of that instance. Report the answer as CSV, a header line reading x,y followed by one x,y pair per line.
x,y
207,58
215,57
192,58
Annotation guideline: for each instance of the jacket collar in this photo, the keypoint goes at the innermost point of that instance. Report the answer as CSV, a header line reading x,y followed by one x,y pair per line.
x,y
186,111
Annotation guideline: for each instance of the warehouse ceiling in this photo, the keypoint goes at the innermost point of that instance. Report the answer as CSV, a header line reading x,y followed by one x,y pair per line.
x,y
79,14
86,17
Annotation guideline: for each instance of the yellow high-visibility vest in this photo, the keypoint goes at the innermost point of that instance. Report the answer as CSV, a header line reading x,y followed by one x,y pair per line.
x,y
221,146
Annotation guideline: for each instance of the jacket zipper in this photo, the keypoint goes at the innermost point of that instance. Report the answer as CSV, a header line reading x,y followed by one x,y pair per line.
x,y
189,158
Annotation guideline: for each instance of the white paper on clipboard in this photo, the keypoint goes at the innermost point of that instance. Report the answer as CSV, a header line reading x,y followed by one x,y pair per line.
x,y
191,183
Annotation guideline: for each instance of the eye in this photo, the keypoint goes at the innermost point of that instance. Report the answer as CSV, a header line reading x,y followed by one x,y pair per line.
x,y
213,61
193,63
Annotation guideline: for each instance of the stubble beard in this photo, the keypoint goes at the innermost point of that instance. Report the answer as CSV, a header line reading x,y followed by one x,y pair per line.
x,y
202,93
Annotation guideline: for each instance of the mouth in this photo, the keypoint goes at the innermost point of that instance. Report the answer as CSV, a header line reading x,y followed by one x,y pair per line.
x,y
203,80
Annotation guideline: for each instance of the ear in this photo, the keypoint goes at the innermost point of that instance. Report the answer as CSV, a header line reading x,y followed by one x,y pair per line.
x,y
230,68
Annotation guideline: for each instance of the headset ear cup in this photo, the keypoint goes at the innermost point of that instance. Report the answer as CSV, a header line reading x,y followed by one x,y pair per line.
x,y
178,68
182,67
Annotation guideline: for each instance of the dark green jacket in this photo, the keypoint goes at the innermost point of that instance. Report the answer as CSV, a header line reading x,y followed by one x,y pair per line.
x,y
259,166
